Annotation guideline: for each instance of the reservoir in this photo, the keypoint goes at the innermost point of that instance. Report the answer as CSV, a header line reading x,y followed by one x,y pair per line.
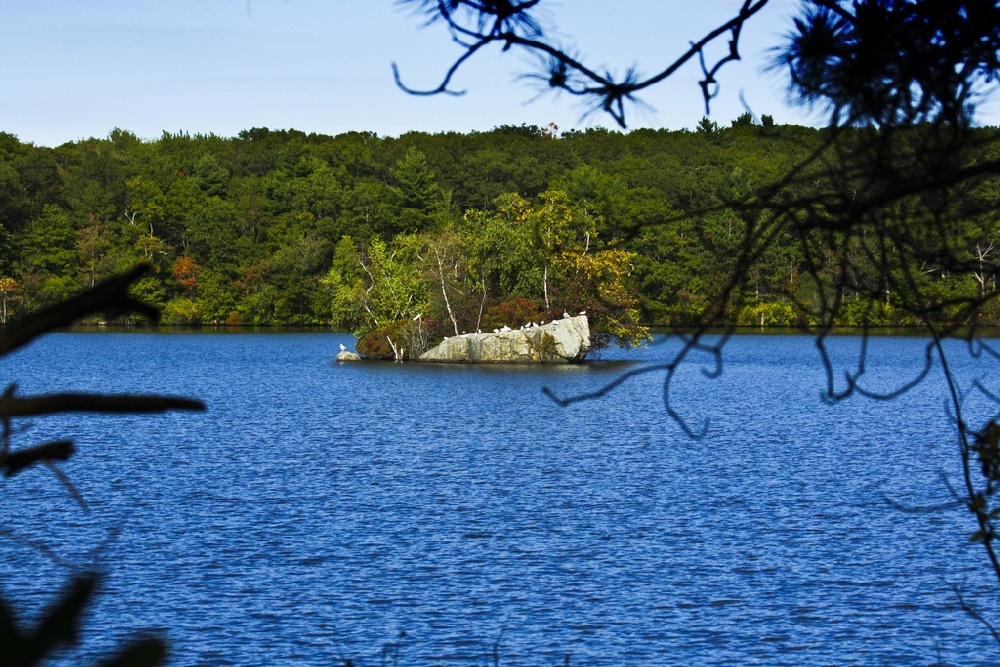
x,y
418,514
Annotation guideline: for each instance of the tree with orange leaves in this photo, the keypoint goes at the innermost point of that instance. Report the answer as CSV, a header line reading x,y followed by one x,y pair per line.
x,y
186,271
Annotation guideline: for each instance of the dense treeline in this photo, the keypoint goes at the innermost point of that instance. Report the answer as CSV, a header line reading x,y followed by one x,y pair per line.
x,y
455,231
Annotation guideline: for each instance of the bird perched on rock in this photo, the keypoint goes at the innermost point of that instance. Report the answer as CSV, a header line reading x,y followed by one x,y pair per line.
x,y
565,315
343,348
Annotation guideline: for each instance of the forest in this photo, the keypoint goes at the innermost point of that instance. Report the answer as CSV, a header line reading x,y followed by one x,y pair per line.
x,y
456,232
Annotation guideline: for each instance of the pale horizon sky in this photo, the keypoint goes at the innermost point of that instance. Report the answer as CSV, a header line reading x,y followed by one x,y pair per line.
x,y
74,69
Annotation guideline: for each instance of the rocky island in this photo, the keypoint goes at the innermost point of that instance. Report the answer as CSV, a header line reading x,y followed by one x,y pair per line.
x,y
563,341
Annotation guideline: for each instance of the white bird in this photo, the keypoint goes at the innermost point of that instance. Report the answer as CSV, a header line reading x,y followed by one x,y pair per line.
x,y
343,348
505,328
583,312
496,331
565,315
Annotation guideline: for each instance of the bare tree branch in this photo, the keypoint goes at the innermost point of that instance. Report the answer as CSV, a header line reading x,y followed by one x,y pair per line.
x,y
475,24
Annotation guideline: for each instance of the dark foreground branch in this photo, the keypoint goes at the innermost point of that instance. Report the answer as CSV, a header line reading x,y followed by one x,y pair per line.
x,y
110,297
48,404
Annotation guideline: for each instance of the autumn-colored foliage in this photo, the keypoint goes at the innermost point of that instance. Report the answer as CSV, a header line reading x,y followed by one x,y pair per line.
x,y
186,272
8,286
512,313
598,283
376,345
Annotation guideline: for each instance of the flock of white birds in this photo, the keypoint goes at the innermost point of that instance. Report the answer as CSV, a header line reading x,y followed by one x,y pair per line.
x,y
526,327
529,325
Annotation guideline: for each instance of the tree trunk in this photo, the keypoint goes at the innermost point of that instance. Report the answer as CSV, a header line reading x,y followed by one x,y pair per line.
x,y
545,284
444,292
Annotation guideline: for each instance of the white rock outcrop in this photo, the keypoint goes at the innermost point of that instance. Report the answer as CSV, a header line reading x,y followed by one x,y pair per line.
x,y
347,355
564,341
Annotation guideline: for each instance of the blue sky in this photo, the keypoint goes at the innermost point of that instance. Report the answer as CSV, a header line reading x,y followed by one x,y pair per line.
x,y
73,69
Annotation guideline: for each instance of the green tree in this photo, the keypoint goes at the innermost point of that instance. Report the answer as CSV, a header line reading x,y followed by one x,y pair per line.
x,y
93,244
416,193
48,258
708,127
212,177
499,247
395,287
553,229
292,270
345,286
368,207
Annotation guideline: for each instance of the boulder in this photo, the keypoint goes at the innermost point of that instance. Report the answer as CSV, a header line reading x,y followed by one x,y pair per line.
x,y
564,341
347,355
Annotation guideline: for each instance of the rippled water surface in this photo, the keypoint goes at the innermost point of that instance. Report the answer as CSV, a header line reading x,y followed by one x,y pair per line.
x,y
318,512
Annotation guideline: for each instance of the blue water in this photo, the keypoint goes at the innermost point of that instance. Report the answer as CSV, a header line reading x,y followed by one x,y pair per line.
x,y
429,515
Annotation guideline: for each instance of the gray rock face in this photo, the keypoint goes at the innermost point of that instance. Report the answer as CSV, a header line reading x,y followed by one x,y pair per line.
x,y
347,355
564,341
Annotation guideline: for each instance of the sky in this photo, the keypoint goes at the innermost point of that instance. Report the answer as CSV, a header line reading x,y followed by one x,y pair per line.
x,y
73,69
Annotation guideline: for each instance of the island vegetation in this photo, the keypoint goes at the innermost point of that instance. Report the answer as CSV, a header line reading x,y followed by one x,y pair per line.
x,y
456,232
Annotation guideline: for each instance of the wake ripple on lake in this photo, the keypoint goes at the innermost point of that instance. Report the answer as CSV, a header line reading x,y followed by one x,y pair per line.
x,y
427,514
